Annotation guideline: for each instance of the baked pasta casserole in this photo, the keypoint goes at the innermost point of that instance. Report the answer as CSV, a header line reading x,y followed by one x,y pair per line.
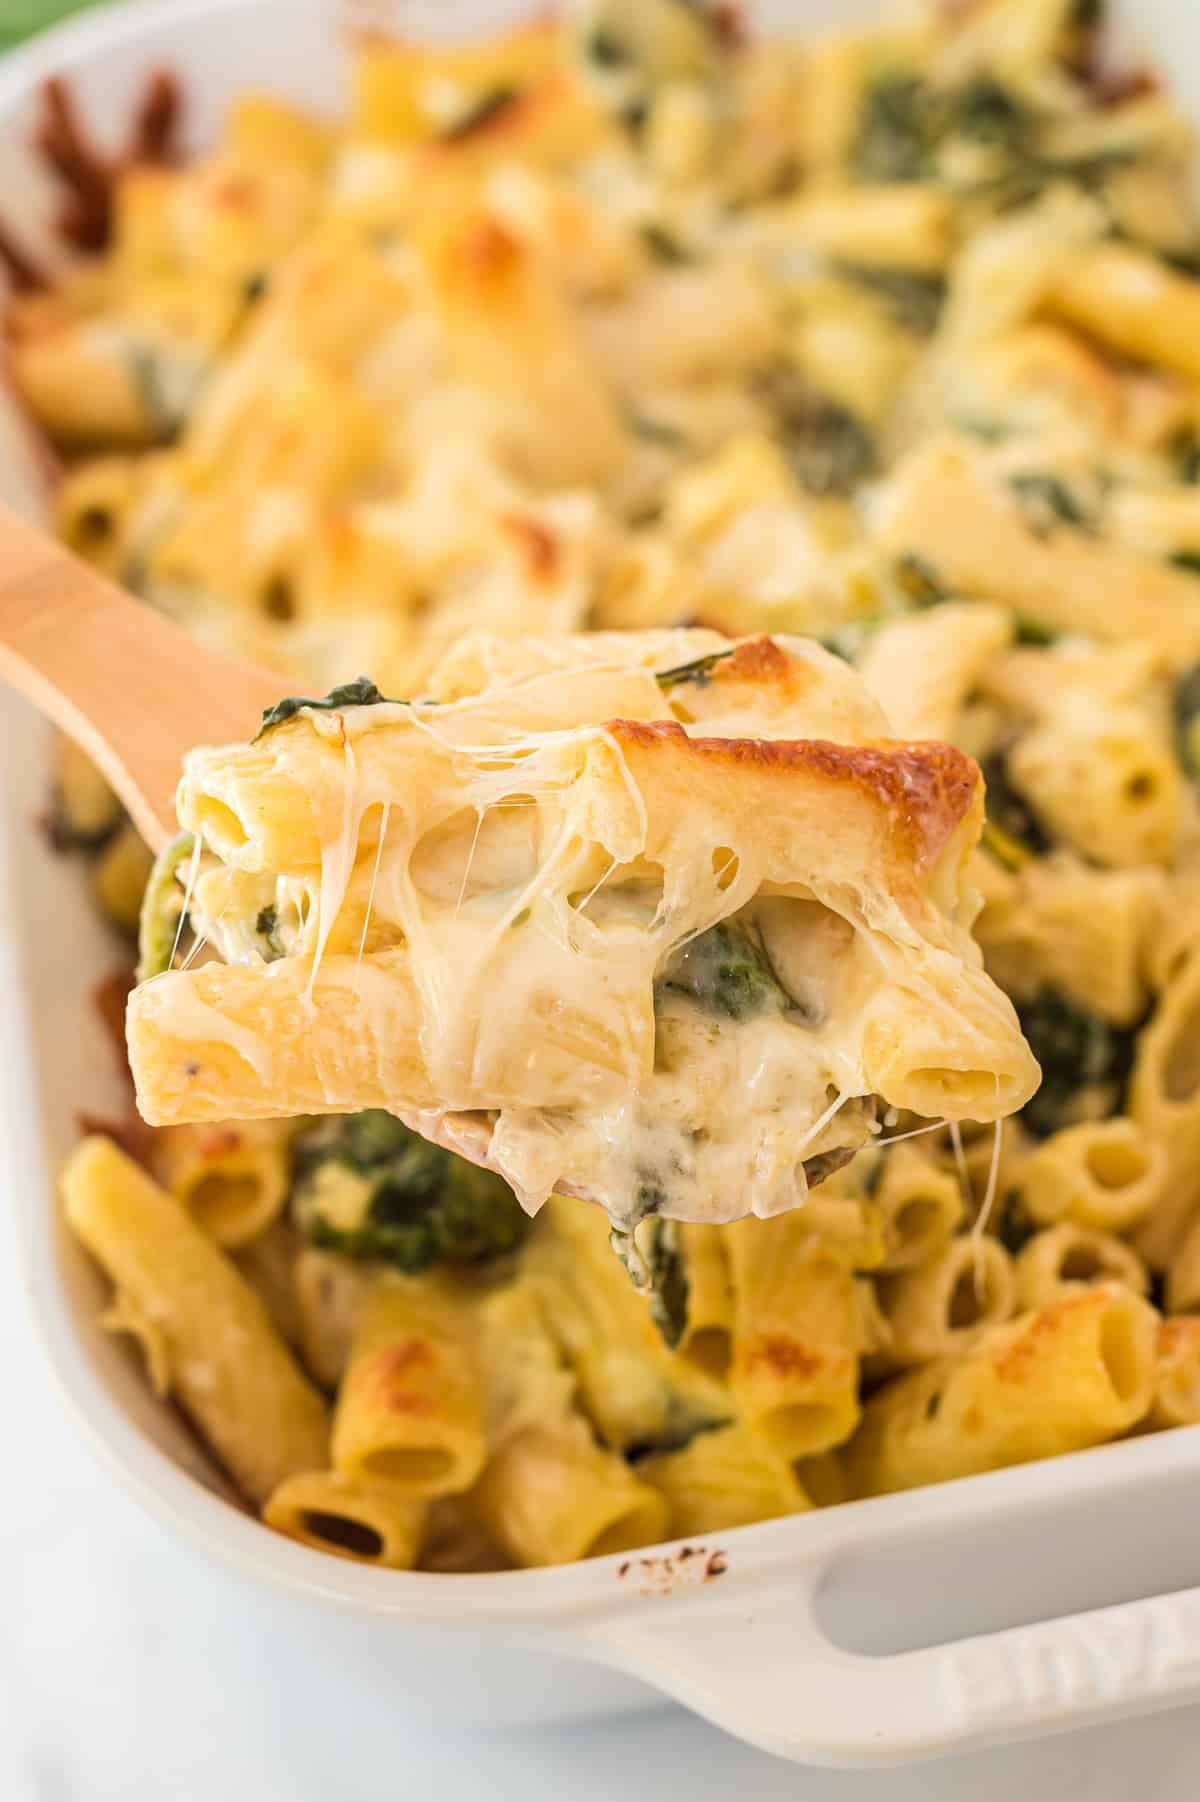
x,y
616,392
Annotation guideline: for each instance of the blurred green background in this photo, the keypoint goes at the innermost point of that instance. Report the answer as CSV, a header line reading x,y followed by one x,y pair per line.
x,y
19,19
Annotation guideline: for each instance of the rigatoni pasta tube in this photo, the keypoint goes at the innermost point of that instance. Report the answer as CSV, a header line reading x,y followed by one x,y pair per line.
x,y
1103,780
1132,301
709,1320
920,1205
939,1307
634,1389
796,1329
1074,1373
331,1512
945,510
727,1478
1183,1274
268,1264
331,1293
225,1362
905,226
1104,1174
409,1411
552,1495
1065,1255
1176,1400
232,1178
1164,1099
549,1493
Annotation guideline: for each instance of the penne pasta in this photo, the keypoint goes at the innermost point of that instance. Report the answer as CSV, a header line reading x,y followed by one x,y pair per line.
x,y
408,1410
220,1355
371,1524
1075,1372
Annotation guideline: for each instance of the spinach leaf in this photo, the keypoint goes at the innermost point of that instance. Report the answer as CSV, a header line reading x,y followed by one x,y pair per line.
x,y
913,298
420,1204
362,692
1185,715
1076,1049
668,1280
665,247
829,449
266,927
1009,812
898,130
698,671
162,922
726,971
1184,452
1048,503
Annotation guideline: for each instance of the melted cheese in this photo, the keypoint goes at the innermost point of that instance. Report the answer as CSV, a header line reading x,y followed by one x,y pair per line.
x,y
515,871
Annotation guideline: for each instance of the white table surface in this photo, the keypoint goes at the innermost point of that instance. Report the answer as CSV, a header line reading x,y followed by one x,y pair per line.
x,y
126,1676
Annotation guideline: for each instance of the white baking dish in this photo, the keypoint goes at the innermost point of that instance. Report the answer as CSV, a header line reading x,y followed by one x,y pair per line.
x,y
873,1633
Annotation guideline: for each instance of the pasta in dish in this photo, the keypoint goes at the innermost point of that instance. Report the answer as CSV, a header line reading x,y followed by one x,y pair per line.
x,y
624,346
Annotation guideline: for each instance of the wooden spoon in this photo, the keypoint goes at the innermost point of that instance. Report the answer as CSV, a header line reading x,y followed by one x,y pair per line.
x,y
133,689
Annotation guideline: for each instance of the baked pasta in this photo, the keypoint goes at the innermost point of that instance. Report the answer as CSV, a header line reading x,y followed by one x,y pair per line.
x,y
635,323
720,945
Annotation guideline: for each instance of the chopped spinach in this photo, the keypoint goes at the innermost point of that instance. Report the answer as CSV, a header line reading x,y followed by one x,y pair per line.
x,y
147,380
656,431
1014,1227
990,113
362,692
162,921
1009,812
1033,632
933,1404
913,298
1184,452
266,927
726,971
1048,503
1185,715
698,671
828,448
1189,560
1076,1050
898,130
607,51
417,1204
681,1427
668,1280
664,246
906,123
918,581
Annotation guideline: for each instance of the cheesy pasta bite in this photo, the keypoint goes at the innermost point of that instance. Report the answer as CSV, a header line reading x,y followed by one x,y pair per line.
x,y
719,944
875,349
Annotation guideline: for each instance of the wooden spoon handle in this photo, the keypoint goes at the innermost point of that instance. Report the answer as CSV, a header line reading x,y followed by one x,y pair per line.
x,y
128,685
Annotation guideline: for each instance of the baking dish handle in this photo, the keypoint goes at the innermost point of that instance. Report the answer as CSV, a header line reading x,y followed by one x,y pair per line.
x,y
766,1671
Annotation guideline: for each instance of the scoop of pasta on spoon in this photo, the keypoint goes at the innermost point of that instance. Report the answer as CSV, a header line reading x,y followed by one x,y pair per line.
x,y
657,919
